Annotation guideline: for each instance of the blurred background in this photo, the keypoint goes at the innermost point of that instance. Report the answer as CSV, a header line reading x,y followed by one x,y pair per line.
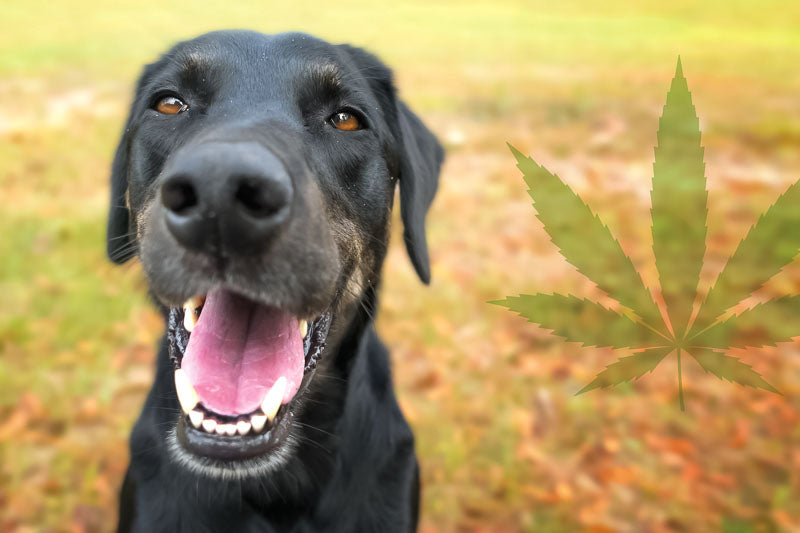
x,y
504,443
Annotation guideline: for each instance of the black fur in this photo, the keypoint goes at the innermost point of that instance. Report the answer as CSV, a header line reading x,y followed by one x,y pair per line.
x,y
354,468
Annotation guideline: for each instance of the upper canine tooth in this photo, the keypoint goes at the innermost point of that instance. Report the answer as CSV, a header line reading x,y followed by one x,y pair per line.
x,y
189,319
194,302
303,328
187,396
190,314
274,398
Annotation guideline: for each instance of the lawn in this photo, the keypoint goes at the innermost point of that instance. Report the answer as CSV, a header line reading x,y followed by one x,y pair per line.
x,y
504,443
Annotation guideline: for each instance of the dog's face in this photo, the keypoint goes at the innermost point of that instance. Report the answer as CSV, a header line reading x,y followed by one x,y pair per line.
x,y
255,181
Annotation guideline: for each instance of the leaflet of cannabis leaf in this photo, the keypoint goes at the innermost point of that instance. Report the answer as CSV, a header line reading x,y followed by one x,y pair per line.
x,y
679,211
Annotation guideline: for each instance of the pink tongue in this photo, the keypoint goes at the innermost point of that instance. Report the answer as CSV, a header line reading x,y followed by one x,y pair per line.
x,y
238,349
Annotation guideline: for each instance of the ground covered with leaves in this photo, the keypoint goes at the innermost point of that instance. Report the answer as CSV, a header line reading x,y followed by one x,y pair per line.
x,y
504,442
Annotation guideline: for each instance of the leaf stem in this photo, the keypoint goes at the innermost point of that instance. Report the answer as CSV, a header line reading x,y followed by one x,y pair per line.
x,y
680,382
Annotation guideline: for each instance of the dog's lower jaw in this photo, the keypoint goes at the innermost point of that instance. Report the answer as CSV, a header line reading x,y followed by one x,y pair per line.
x,y
308,444
281,439
232,470
351,424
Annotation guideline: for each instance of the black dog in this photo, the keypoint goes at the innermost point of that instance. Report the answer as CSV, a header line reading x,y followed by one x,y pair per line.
x,y
255,181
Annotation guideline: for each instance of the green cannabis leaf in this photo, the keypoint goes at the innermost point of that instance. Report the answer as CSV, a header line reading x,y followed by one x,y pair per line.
x,y
679,211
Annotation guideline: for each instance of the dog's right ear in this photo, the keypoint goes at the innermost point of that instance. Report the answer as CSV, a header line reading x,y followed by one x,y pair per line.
x,y
119,241
120,233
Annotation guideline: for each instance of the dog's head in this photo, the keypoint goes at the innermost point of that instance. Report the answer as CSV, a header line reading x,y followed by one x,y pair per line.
x,y
255,180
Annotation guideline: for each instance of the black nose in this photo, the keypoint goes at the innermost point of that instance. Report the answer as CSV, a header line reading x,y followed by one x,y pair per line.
x,y
231,197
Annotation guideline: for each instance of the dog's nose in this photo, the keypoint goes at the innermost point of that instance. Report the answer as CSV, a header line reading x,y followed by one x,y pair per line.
x,y
226,196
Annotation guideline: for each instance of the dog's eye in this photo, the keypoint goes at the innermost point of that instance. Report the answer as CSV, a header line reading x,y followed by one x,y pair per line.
x,y
170,105
345,121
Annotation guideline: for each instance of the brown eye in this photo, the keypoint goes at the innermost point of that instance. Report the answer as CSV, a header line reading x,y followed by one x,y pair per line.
x,y
171,105
345,121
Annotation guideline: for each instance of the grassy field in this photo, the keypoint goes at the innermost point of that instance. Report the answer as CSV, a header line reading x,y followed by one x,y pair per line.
x,y
504,443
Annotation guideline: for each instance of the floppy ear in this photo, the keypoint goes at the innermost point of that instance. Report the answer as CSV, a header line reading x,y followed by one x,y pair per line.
x,y
119,234
119,243
420,160
418,156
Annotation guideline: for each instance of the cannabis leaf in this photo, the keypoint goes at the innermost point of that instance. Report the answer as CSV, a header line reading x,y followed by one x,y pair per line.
x,y
679,211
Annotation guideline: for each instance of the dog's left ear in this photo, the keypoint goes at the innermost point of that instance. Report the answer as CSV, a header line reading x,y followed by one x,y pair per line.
x,y
417,153
421,159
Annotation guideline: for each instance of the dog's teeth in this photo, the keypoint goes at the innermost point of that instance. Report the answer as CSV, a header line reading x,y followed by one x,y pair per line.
x,y
243,427
258,422
189,319
190,314
221,429
187,396
227,429
274,398
209,424
194,302
303,328
196,417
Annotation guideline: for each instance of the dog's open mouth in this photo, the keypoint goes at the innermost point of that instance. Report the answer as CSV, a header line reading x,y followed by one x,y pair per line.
x,y
240,367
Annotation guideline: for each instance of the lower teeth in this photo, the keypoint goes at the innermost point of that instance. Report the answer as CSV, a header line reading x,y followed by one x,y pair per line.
x,y
242,427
